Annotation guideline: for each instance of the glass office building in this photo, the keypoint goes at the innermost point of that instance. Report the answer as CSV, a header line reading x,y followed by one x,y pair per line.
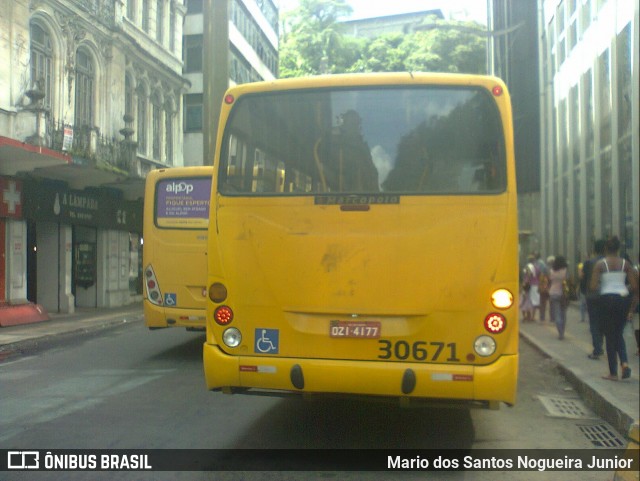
x,y
589,125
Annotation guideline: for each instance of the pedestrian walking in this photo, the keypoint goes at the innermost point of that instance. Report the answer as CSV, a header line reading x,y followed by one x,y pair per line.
x,y
525,302
557,296
617,304
592,298
582,300
532,293
543,288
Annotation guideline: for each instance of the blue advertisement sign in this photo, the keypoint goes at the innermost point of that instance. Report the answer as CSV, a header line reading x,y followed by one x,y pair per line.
x,y
183,202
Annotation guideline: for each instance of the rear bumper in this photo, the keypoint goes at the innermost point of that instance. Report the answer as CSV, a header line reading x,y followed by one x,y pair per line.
x,y
158,317
495,382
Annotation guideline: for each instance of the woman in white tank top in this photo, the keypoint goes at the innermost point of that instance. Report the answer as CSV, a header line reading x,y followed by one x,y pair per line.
x,y
617,304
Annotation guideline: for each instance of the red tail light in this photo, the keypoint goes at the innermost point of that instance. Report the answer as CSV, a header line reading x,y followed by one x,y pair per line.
x,y
223,315
153,289
495,323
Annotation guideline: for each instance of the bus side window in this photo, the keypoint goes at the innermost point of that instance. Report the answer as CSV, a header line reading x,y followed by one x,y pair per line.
x,y
268,173
259,166
236,164
233,156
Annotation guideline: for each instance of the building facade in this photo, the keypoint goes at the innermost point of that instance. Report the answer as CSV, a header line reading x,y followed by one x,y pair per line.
x,y
513,56
405,23
253,56
90,100
589,129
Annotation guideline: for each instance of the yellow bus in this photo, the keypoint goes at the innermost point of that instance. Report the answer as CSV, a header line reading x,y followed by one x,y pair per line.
x,y
176,217
363,240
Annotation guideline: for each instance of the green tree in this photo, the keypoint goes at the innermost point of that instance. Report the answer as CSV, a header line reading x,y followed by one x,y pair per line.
x,y
312,43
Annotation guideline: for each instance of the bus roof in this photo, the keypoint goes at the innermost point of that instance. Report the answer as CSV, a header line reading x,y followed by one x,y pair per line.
x,y
374,79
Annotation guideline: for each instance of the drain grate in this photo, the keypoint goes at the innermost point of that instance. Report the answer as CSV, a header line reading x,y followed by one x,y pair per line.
x,y
602,436
564,407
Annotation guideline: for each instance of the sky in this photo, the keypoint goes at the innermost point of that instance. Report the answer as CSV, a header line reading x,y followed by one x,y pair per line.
x,y
460,9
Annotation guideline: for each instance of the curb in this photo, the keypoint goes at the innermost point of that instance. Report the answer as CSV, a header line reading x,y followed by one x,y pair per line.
x,y
91,327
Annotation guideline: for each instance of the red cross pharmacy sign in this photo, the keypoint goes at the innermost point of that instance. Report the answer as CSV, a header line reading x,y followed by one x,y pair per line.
x,y
10,198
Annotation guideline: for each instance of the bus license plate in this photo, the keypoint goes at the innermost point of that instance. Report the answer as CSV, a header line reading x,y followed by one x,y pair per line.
x,y
355,329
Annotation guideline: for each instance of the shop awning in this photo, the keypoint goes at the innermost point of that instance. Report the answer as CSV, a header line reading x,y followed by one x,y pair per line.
x,y
16,156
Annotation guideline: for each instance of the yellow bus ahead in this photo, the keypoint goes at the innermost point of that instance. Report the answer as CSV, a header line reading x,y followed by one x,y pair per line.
x,y
176,217
363,240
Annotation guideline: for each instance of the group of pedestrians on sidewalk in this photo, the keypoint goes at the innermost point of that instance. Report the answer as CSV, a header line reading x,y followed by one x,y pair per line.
x,y
609,286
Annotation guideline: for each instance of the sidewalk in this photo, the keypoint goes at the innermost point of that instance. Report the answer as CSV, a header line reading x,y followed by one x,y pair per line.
x,y
616,402
14,339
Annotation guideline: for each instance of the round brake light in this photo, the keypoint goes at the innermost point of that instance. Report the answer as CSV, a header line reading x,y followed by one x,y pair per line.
x,y
495,323
223,315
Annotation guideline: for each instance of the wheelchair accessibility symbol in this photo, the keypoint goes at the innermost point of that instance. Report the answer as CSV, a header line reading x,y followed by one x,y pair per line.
x,y
170,300
267,341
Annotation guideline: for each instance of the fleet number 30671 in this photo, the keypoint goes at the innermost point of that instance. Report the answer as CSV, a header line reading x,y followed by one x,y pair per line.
x,y
417,351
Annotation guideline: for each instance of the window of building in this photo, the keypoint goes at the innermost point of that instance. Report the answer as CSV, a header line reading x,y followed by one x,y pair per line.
x,y
606,193
248,27
85,81
555,219
577,217
551,39
270,12
604,91
128,96
192,53
168,133
142,120
591,201
194,6
572,34
574,125
587,101
193,111
41,62
145,15
626,183
562,46
160,21
585,16
561,164
156,116
172,28
560,17
564,224
624,74
131,10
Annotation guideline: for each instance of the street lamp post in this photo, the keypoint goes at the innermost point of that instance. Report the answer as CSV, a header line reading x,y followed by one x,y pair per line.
x,y
216,70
